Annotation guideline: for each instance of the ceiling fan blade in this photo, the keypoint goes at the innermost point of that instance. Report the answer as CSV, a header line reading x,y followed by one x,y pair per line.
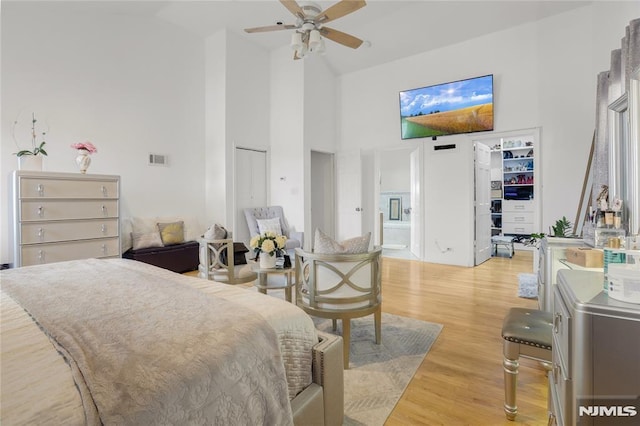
x,y
339,10
340,37
270,28
293,7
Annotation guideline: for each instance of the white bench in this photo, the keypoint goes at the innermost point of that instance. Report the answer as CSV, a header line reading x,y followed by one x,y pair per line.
x,y
499,240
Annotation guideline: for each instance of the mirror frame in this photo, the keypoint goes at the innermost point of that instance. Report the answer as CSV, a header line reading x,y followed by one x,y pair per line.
x,y
633,158
624,152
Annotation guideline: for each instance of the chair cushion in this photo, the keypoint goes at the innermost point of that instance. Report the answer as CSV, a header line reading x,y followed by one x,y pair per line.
x,y
324,244
269,225
529,327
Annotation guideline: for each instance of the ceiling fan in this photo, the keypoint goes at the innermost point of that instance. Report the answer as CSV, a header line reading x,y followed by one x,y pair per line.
x,y
309,27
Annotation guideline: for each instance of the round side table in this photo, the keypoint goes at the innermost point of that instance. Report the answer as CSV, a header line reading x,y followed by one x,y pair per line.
x,y
262,282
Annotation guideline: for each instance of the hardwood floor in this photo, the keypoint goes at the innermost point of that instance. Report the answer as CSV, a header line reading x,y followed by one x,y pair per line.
x,y
460,381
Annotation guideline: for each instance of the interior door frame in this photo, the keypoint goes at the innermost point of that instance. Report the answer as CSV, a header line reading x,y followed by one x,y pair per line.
x,y
378,226
235,226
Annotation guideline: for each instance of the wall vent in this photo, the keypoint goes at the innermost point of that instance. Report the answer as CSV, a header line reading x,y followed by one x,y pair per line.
x,y
158,160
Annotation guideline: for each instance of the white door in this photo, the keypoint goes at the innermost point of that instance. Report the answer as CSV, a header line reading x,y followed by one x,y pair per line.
x,y
349,194
482,203
416,211
250,187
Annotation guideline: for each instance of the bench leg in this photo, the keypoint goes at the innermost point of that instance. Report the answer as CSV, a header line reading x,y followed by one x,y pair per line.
x,y
511,365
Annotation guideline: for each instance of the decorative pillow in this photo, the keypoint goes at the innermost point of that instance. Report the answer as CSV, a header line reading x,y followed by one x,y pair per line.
x,y
151,239
171,233
217,232
324,244
273,225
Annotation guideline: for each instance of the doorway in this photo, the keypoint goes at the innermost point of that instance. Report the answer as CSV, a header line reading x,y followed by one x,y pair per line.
x,y
398,203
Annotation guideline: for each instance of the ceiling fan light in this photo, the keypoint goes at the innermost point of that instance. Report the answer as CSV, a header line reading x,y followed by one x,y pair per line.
x,y
322,49
314,40
296,41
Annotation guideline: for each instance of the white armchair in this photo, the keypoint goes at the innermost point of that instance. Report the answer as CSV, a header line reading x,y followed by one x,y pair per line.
x,y
253,215
340,286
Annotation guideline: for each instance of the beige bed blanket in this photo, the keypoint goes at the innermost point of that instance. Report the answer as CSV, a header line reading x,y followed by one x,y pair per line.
x,y
146,350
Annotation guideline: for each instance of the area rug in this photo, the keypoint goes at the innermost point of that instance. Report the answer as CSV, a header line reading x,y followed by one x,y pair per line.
x,y
379,374
528,286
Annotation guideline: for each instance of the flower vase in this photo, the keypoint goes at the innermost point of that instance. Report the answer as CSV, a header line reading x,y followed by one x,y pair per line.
x,y
30,162
267,262
83,160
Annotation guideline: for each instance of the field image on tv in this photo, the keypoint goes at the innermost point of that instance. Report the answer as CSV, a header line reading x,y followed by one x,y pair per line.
x,y
463,106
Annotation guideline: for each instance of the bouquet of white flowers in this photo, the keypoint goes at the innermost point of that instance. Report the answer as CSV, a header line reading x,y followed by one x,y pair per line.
x,y
268,243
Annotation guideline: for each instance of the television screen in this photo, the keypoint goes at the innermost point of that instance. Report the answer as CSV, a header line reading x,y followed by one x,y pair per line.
x,y
463,106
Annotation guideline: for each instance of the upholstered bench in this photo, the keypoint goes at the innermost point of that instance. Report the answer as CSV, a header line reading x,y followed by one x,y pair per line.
x,y
177,258
526,333
499,240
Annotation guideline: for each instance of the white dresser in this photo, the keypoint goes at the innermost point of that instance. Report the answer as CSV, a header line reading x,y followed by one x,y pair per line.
x,y
64,216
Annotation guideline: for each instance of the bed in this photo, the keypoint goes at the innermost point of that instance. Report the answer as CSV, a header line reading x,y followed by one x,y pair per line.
x,y
116,341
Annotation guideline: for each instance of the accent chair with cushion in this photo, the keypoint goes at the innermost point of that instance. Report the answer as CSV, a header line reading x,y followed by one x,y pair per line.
x,y
340,281
261,219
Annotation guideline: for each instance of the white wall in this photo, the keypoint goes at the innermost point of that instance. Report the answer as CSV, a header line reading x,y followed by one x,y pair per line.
x,y
131,86
237,111
287,136
544,75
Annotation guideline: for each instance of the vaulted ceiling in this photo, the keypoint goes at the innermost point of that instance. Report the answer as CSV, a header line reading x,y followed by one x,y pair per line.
x,y
392,29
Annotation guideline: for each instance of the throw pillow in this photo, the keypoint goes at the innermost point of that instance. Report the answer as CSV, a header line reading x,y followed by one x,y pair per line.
x,y
146,240
272,225
171,233
324,244
217,232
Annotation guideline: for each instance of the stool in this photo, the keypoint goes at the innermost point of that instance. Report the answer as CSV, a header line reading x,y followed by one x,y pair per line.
x,y
497,240
526,333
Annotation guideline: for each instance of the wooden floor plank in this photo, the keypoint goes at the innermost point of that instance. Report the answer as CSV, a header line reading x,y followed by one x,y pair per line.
x,y
460,381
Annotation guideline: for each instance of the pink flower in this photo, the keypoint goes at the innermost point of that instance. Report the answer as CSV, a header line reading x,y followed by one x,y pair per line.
x,y
85,145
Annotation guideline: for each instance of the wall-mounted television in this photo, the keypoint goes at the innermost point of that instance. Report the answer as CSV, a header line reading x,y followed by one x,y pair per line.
x,y
463,106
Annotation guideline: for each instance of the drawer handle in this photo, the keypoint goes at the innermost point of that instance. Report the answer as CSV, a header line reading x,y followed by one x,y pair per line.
x,y
41,234
103,228
104,249
518,207
104,210
556,373
40,211
104,190
519,219
557,320
519,229
41,256
40,189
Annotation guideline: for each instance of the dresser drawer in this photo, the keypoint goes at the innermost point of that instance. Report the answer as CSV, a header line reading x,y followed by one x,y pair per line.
x,y
39,210
32,187
60,252
562,333
517,228
561,390
517,206
47,232
517,217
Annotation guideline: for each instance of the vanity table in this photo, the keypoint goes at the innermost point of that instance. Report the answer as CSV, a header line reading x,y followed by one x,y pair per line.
x,y
596,354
